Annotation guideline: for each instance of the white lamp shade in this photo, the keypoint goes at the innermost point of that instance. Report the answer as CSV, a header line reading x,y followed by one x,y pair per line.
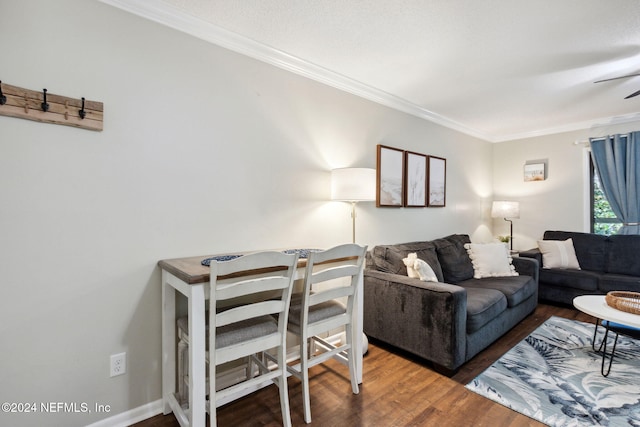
x,y
353,184
504,209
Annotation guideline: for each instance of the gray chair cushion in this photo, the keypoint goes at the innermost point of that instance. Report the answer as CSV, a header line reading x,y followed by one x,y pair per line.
x,y
245,330
317,312
239,331
454,259
483,305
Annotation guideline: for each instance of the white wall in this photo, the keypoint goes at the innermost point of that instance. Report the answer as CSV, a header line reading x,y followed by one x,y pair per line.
x,y
203,151
561,202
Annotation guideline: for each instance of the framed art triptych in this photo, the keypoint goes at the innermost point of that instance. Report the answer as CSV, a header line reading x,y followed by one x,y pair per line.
x,y
408,179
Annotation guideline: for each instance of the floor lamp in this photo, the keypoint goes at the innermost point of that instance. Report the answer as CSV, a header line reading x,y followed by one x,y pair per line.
x,y
504,209
353,185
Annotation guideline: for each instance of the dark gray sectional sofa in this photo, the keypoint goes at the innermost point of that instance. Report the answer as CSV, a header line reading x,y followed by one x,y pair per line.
x,y
450,321
607,263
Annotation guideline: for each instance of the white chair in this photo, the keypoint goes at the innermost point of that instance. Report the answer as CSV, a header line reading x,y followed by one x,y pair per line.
x,y
248,312
317,312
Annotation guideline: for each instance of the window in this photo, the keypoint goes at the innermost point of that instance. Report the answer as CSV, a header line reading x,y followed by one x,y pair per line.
x,y
603,220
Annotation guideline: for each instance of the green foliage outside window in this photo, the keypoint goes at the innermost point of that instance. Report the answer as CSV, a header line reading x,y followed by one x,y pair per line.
x,y
604,220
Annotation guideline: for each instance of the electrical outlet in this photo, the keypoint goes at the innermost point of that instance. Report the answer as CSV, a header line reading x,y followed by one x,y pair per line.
x,y
118,364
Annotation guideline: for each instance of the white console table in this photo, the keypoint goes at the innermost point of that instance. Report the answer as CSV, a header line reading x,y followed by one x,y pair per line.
x,y
189,277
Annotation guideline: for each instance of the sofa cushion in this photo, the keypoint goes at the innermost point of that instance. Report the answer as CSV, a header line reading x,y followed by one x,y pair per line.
x,y
483,305
578,279
619,282
515,289
622,256
590,248
454,259
388,258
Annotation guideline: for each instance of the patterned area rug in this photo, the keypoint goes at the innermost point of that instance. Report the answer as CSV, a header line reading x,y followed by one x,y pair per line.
x,y
553,376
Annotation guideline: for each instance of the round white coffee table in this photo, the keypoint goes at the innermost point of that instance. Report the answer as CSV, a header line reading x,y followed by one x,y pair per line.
x,y
596,306
617,321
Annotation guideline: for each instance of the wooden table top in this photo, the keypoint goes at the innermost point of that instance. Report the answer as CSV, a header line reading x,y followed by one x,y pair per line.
x,y
191,271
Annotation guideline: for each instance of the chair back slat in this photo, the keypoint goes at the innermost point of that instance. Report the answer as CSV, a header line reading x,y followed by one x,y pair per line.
x,y
335,272
249,287
330,294
249,311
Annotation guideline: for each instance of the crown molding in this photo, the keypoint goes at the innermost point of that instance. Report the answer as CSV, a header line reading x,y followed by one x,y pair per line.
x,y
170,16
602,122
175,18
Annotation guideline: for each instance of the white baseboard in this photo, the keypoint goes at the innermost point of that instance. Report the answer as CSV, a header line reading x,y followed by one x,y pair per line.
x,y
132,416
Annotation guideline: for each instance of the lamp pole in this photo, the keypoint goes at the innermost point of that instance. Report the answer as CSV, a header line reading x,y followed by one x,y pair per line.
x,y
510,233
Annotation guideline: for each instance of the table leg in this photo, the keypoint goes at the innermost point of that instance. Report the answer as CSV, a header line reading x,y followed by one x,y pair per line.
x,y
595,332
604,351
197,363
168,343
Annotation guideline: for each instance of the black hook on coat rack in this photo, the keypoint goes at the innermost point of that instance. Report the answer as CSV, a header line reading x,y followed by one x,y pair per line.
x,y
44,105
3,99
82,113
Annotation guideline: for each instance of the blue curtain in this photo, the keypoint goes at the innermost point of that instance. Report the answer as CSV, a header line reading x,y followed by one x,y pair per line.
x,y
617,162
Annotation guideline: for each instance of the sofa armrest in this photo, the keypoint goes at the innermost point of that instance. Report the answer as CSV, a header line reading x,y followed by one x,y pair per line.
x,y
527,266
425,318
532,253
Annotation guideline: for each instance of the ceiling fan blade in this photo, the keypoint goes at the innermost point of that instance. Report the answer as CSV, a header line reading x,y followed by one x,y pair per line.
x,y
636,93
616,78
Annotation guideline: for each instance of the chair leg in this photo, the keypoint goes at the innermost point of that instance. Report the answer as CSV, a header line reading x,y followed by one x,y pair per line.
x,y
349,332
283,386
213,408
304,376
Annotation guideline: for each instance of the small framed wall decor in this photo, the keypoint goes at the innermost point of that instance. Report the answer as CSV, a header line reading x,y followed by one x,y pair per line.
x,y
437,182
390,177
534,172
415,182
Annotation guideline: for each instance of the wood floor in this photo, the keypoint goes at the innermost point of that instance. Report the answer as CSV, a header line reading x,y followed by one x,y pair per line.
x,y
398,390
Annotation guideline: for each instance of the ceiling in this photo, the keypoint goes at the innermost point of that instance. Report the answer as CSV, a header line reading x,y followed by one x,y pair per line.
x,y
495,69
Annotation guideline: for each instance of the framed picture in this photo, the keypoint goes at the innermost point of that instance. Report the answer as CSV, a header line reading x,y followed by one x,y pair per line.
x,y
534,172
437,182
415,183
390,175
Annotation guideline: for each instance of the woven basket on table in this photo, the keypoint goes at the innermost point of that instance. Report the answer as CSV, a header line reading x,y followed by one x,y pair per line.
x,y
624,301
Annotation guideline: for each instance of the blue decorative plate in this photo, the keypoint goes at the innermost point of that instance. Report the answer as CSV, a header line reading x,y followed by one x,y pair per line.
x,y
207,261
303,253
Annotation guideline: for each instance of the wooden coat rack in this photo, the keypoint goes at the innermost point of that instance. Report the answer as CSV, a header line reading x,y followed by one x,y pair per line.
x,y
49,108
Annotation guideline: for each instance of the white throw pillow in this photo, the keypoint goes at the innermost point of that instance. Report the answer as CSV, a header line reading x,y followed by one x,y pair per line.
x,y
419,269
409,261
424,270
558,254
490,260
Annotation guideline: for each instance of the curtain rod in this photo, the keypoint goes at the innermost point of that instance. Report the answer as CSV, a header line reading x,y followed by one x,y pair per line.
x,y
586,142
